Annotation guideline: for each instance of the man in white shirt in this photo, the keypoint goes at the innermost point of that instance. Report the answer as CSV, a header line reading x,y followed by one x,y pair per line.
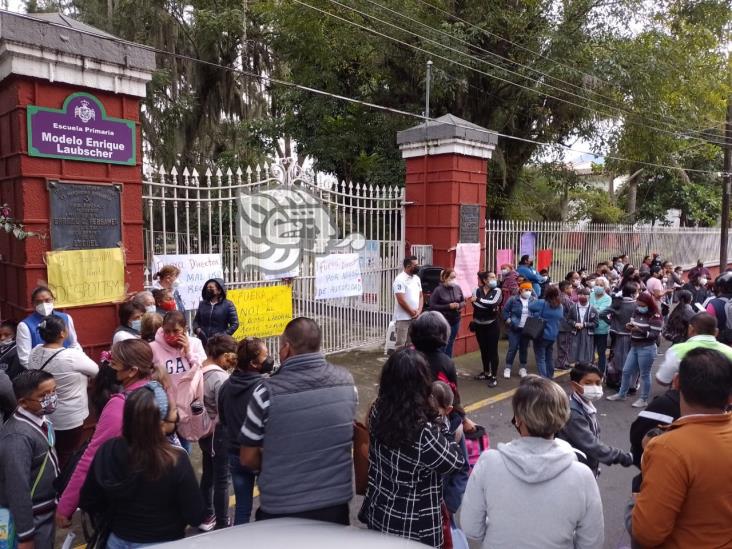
x,y
409,300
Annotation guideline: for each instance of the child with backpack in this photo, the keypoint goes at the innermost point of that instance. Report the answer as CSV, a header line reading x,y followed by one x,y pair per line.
x,y
221,351
582,430
28,463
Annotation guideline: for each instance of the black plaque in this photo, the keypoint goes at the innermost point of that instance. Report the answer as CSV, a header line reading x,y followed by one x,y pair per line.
x,y
84,216
469,223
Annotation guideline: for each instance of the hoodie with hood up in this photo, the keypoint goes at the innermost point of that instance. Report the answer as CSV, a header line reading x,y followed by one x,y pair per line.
x,y
142,510
215,318
539,475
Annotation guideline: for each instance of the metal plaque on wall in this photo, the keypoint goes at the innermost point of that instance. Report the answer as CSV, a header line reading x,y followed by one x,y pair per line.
x,y
469,223
84,216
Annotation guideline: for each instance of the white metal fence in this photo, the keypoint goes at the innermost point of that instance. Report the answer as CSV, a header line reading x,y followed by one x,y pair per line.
x,y
584,245
189,212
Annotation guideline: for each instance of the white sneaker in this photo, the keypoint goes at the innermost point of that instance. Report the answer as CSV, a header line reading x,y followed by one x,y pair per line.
x,y
522,372
507,373
616,396
640,403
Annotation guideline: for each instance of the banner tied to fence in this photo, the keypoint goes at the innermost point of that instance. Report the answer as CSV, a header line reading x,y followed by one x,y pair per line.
x,y
263,312
86,277
195,270
338,275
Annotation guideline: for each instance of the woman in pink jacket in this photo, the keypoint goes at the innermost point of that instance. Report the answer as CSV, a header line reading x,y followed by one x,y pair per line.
x,y
133,361
176,353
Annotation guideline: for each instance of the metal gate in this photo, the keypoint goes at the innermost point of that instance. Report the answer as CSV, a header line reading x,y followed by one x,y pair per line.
x,y
187,212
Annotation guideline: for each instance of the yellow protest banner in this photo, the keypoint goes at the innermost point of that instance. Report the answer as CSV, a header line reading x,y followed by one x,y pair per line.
x,y
86,277
263,312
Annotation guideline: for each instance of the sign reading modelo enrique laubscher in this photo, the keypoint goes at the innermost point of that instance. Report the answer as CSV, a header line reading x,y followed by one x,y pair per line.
x,y
81,130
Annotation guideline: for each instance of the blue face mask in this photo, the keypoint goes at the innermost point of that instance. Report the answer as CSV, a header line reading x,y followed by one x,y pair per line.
x,y
492,283
642,310
136,325
598,290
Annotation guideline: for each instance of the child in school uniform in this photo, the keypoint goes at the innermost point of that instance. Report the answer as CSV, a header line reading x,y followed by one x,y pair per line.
x,y
582,318
28,462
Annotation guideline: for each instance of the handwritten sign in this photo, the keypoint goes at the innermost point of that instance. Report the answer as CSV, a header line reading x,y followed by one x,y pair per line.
x,y
86,277
81,130
467,265
195,270
263,312
337,275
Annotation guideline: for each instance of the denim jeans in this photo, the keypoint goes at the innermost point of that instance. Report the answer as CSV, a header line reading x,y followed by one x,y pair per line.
x,y
543,349
215,475
243,480
185,444
118,543
517,343
639,359
601,350
453,334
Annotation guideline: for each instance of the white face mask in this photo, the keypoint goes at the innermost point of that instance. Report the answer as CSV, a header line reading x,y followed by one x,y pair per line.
x,y
4,342
150,309
703,281
504,272
44,309
526,295
175,284
592,392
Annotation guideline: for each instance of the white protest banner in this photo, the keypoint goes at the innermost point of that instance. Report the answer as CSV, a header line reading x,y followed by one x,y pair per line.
x,y
370,262
338,275
467,265
195,269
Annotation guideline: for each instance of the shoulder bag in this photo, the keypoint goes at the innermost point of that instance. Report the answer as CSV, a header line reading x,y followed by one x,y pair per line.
x,y
534,326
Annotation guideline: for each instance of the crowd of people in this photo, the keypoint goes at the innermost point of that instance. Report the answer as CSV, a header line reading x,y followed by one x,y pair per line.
x,y
166,385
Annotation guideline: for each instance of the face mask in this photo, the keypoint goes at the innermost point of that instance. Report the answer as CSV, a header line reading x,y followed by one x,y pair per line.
x,y
492,283
4,342
44,309
151,309
582,300
175,284
168,305
526,295
703,281
49,404
642,310
267,365
136,325
171,340
208,295
451,282
505,272
592,392
598,290
591,283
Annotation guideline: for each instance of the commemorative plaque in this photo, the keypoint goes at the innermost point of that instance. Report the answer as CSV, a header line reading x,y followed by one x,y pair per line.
x,y
469,223
84,216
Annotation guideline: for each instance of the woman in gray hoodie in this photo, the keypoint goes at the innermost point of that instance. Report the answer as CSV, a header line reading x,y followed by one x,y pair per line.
x,y
534,472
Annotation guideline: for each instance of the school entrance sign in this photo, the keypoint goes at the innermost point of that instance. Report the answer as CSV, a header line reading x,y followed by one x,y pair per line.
x,y
81,130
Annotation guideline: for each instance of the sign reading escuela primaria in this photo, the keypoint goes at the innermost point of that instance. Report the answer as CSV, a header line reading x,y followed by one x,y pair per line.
x,y
81,130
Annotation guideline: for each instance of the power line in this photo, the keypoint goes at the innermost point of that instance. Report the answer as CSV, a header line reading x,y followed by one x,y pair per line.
x,y
351,100
491,75
516,63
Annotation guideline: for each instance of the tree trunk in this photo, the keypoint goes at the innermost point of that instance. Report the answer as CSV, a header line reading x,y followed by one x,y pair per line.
x,y
632,194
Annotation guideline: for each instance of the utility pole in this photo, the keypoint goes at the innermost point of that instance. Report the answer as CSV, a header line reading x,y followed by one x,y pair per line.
x,y
726,184
428,84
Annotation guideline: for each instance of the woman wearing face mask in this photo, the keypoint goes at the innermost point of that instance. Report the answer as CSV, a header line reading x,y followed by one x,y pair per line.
x,y
132,359
448,299
130,322
142,485
515,314
582,430
549,309
28,335
575,280
216,314
145,300
221,353
600,300
485,322
526,270
644,327
509,283
252,364
167,279
698,288
72,369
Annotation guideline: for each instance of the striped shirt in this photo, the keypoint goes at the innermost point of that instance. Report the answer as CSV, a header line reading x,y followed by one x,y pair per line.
x,y
646,329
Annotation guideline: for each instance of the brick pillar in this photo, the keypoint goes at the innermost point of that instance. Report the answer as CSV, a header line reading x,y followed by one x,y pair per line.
x,y
45,74
446,167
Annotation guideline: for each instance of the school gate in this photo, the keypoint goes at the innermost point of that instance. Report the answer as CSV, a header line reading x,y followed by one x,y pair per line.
x,y
188,211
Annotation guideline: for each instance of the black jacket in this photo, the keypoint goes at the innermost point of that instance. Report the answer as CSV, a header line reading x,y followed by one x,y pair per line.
x,y
141,510
9,361
217,318
234,398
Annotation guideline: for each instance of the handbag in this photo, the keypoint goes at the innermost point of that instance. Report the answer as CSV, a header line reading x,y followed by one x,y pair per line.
x,y
534,326
360,457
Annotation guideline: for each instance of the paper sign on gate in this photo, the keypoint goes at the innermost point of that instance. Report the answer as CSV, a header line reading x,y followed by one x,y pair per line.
x,y
467,265
338,275
263,312
528,244
544,259
195,269
370,262
86,277
504,256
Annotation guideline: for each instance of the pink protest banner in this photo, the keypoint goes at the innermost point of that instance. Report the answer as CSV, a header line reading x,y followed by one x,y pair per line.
x,y
503,257
467,265
544,259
